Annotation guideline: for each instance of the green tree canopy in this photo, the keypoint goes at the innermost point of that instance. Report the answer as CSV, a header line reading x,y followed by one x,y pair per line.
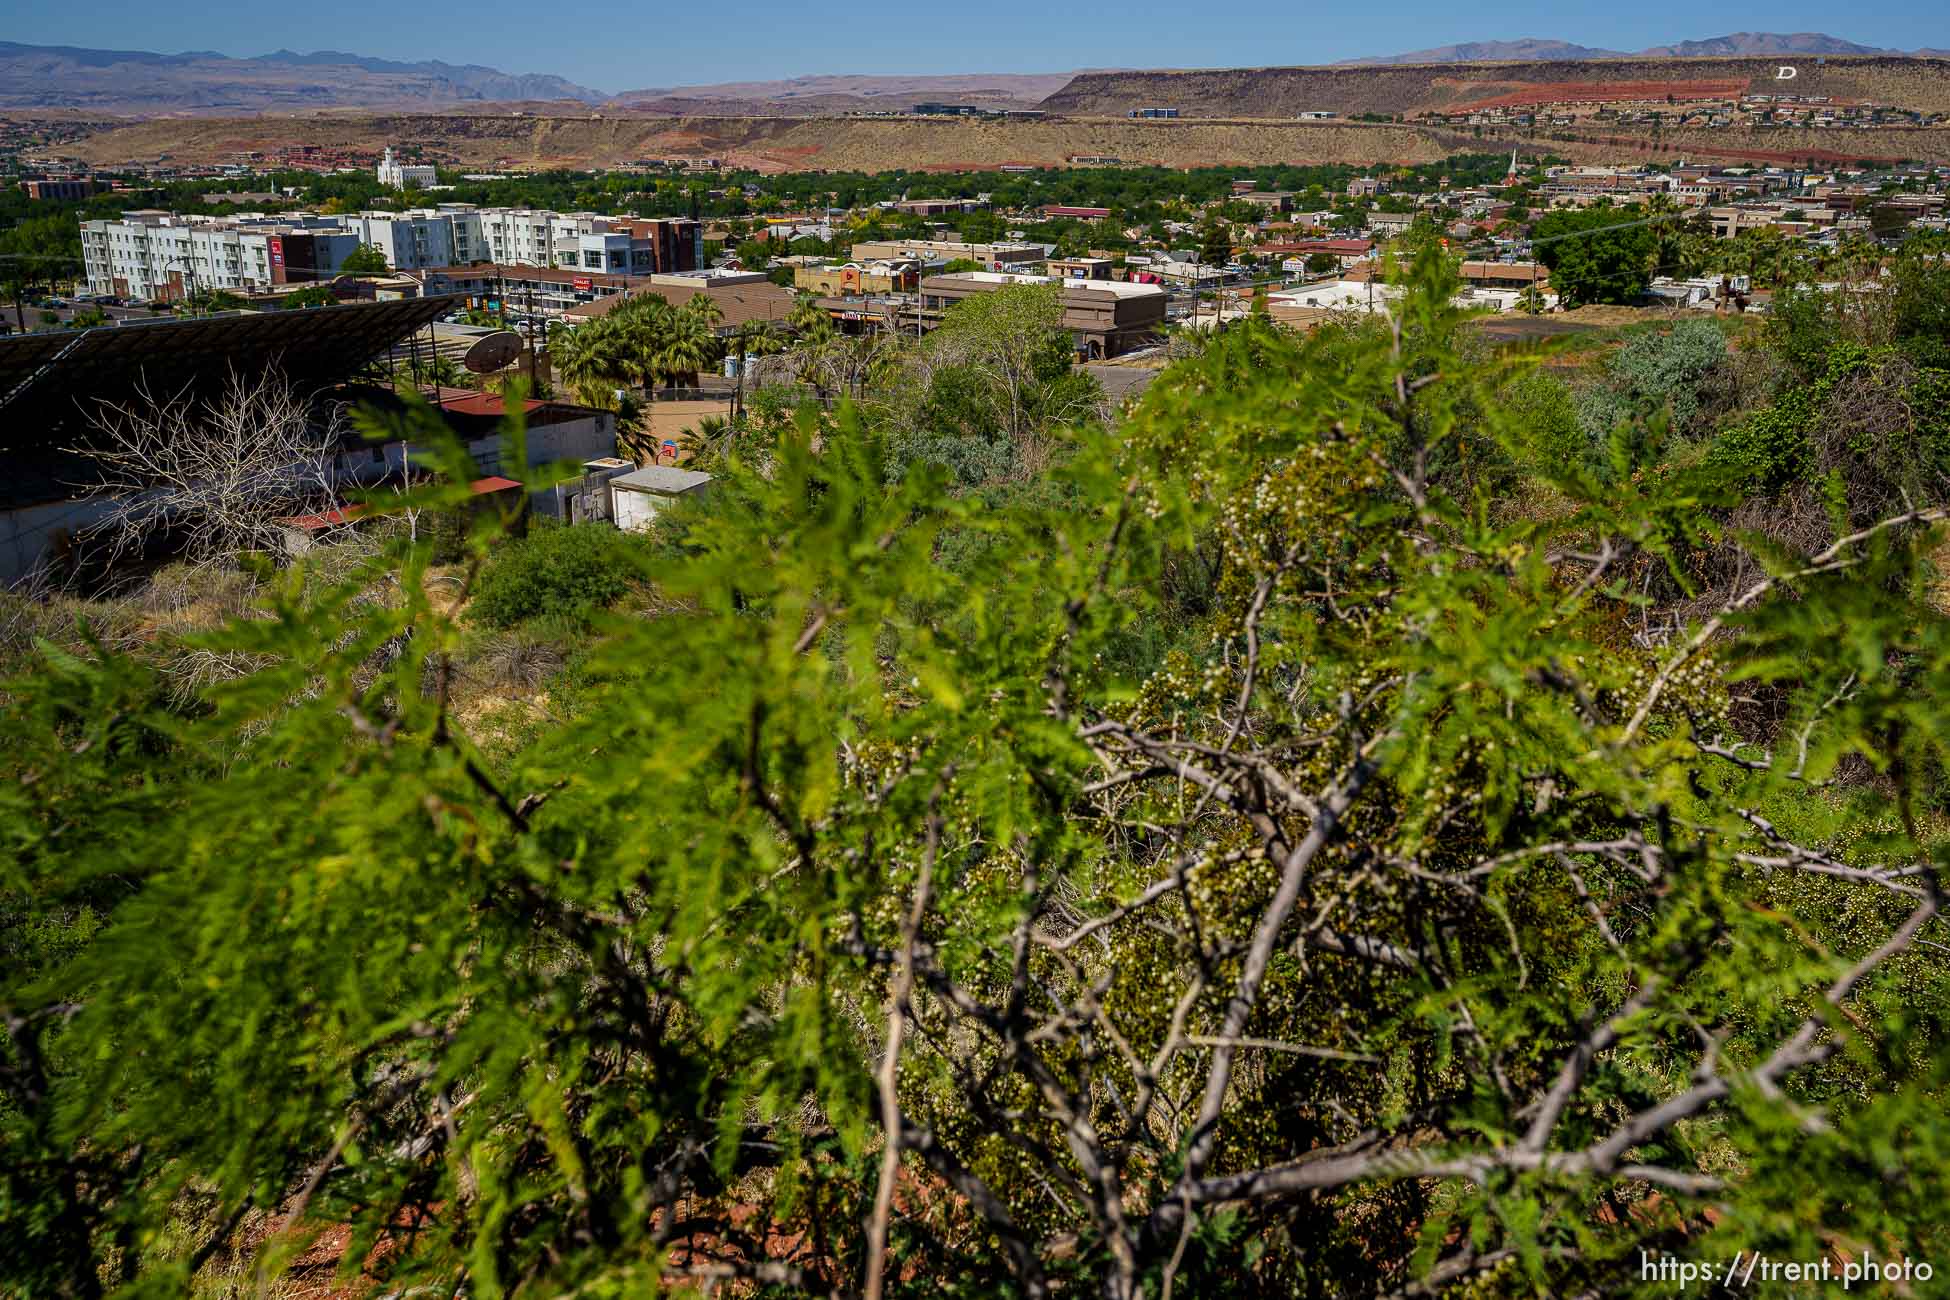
x,y
1589,261
366,259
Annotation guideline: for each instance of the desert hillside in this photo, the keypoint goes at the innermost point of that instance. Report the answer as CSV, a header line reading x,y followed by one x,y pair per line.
x,y
875,144
1922,84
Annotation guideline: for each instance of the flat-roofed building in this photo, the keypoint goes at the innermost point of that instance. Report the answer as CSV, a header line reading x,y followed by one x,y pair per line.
x,y
1105,318
158,256
991,257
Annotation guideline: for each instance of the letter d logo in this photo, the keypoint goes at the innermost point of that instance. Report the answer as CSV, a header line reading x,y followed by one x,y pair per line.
x,y
1784,73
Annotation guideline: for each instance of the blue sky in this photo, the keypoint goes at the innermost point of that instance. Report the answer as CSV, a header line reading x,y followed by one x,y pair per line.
x,y
618,47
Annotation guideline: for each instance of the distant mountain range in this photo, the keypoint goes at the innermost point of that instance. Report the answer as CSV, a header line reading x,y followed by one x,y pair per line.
x,y
1736,45
62,76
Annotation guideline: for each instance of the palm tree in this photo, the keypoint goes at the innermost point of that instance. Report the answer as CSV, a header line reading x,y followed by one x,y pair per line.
x,y
592,361
706,309
686,345
708,440
811,321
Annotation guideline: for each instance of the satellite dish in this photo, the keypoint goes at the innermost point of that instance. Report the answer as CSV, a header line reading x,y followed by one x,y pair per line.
x,y
492,352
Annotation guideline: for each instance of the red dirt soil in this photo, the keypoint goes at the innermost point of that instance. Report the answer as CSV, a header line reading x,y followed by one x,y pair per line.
x,y
1607,92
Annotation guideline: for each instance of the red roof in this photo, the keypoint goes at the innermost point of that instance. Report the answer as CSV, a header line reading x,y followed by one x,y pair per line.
x,y
468,401
1342,247
318,523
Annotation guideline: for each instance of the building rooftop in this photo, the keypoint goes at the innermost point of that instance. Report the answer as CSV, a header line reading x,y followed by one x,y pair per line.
x,y
51,384
665,480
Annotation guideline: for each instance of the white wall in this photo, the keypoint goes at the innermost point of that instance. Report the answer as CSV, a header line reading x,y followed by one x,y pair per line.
x,y
636,510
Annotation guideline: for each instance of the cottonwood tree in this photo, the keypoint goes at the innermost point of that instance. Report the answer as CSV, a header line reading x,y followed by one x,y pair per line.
x,y
218,473
1251,870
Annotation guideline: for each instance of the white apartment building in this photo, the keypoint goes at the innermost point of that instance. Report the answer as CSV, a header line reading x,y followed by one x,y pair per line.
x,y
448,235
400,175
456,234
155,255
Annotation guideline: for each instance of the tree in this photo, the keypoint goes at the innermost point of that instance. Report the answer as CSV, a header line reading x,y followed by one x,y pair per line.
x,y
808,319
219,476
210,301
434,370
366,259
1595,255
1235,865
1214,244
752,338
312,295
754,254
687,343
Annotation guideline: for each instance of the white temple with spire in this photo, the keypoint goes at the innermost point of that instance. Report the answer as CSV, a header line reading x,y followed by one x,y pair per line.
x,y
400,175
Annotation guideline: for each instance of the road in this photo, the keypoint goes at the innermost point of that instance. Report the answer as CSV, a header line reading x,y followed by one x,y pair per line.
x,y
35,318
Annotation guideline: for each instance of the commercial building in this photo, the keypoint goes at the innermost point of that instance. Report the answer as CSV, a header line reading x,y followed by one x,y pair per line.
x,y
1153,112
737,304
850,279
159,256
1080,268
541,291
939,207
1105,318
991,257
1269,200
72,188
1505,275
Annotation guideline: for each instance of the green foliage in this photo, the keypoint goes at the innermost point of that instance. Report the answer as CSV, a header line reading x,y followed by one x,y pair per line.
x,y
1873,424
554,572
366,259
312,295
1292,871
990,390
1612,265
1547,414
204,301
642,341
1214,244
1654,372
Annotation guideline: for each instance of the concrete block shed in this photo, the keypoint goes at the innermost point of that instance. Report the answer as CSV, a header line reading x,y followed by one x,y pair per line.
x,y
639,496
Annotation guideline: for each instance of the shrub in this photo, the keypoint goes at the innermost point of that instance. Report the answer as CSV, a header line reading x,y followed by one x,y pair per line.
x,y
555,570
1417,918
1550,417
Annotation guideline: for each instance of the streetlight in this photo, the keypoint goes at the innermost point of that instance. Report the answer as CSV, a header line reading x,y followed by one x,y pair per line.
x,y
189,265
